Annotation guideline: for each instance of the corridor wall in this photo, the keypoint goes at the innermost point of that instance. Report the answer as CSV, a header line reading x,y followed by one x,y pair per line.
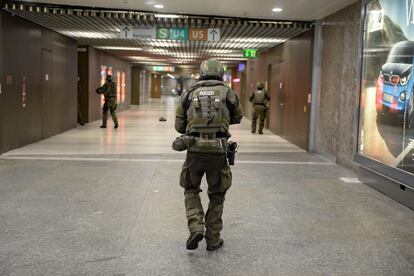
x,y
38,82
286,70
336,132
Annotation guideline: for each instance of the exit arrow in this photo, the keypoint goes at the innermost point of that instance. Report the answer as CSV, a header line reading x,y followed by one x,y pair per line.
x,y
126,30
214,33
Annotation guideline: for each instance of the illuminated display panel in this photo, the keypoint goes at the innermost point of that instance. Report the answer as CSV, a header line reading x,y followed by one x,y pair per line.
x,y
118,85
103,79
386,131
123,87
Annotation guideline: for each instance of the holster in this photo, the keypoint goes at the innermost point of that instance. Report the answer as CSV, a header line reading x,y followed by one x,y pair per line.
x,y
233,147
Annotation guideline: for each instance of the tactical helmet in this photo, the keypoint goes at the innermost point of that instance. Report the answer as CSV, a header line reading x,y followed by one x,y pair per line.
x,y
211,69
109,78
260,85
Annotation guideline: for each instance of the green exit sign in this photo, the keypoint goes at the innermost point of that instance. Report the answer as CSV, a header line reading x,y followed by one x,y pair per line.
x,y
250,53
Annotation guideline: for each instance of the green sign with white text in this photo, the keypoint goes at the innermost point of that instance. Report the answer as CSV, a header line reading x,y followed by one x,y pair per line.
x,y
172,33
250,53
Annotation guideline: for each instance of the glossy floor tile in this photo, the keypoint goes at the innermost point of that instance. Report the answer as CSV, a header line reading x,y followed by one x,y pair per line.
x,y
107,202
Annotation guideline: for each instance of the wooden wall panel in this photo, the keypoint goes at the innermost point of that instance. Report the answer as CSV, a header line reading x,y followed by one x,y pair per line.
x,y
135,85
287,69
83,74
155,86
22,98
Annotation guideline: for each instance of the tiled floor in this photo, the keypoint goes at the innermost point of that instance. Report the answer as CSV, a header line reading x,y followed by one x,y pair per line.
x,y
105,202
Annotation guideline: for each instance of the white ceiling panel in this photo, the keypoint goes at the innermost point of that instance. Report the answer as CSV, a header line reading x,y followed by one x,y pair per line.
x,y
292,9
101,29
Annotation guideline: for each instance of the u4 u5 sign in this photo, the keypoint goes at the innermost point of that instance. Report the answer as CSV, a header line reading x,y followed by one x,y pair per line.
x,y
193,34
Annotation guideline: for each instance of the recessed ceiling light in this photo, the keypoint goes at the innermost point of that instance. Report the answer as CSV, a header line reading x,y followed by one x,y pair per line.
x,y
158,6
167,15
277,10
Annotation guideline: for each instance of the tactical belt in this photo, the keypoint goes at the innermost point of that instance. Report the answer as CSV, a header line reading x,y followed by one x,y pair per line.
x,y
259,103
209,135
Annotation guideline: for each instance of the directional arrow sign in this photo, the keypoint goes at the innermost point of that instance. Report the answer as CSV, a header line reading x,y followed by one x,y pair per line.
x,y
132,32
125,32
214,35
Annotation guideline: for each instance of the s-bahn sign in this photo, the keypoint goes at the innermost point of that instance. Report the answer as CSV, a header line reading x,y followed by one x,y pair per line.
x,y
192,34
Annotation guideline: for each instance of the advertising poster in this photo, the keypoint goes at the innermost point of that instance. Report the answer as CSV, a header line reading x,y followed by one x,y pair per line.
x,y
123,87
103,79
118,86
387,100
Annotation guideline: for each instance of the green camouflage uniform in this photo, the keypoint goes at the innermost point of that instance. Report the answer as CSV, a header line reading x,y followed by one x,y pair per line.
x,y
109,92
259,99
205,113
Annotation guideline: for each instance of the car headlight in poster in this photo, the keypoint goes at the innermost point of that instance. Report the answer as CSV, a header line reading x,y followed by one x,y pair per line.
x,y
387,95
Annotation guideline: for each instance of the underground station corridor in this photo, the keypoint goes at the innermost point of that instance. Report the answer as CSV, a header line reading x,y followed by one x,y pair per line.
x,y
326,189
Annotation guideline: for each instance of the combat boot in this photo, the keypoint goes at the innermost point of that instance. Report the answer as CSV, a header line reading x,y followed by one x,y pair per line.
x,y
193,240
103,126
116,126
260,132
215,247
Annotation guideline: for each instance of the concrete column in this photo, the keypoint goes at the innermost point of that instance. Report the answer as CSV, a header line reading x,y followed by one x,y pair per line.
x,y
316,86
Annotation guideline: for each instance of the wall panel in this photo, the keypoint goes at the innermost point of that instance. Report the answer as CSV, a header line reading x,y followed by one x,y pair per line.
x,y
287,69
339,86
21,97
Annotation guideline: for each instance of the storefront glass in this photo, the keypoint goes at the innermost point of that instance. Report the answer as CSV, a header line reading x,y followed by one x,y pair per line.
x,y
387,95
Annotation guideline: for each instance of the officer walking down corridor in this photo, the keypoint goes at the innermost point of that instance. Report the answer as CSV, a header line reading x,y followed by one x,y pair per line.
x,y
259,99
203,115
109,92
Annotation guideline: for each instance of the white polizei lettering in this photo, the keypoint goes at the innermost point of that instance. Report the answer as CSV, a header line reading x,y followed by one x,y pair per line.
x,y
207,93
409,11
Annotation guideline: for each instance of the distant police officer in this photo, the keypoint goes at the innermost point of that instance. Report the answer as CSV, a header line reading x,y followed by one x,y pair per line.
x,y
259,99
204,114
109,92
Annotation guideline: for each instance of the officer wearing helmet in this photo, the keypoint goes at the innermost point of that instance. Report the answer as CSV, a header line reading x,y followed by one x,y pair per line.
x,y
259,99
204,114
109,92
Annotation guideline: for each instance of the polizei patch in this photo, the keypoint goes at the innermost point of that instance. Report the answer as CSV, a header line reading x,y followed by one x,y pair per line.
x,y
207,93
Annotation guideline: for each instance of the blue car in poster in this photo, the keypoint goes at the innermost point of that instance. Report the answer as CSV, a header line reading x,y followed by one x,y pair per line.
x,y
395,85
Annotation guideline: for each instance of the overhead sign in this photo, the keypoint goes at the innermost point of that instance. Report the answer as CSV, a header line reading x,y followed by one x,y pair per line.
x,y
192,34
250,53
172,33
214,35
132,32
161,68
198,34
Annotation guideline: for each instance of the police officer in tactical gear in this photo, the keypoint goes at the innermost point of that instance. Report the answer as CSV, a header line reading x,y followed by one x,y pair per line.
x,y
204,114
109,92
259,99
